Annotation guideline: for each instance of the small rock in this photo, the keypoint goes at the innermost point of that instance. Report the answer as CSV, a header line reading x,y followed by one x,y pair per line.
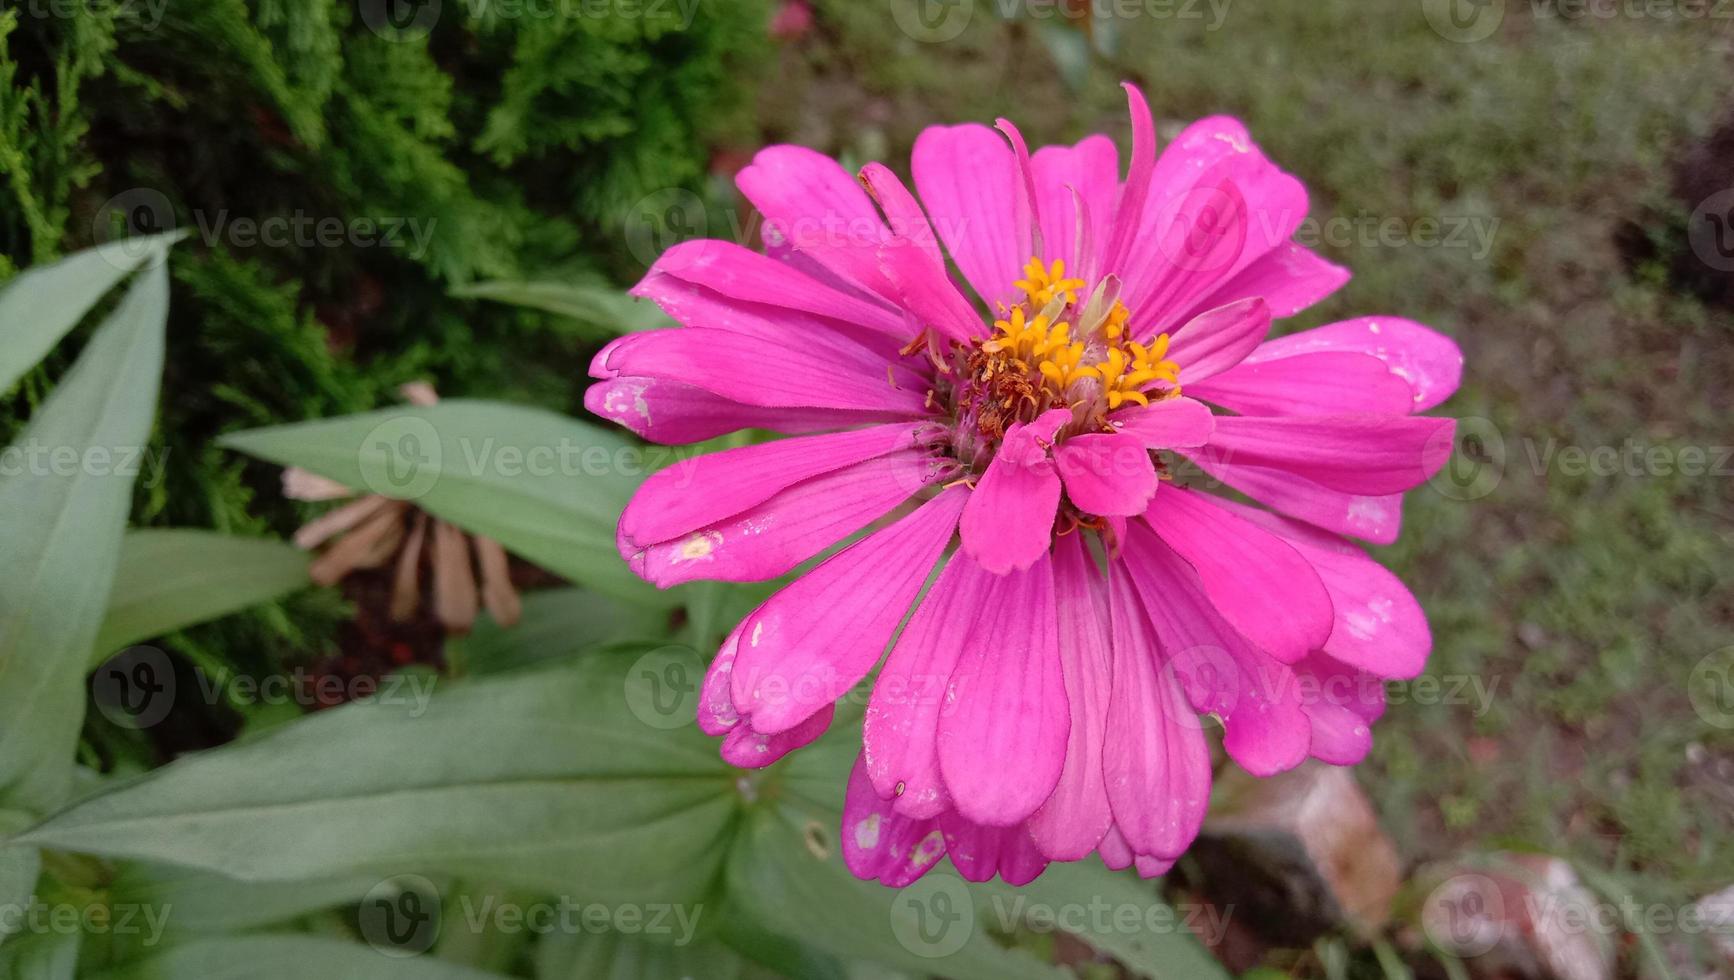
x,y
1300,854
1533,636
1716,914
1519,917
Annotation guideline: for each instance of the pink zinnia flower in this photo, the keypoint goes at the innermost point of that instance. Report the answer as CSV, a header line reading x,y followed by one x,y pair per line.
x,y
1043,699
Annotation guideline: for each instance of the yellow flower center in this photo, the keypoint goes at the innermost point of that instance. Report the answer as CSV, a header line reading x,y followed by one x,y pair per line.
x,y
1036,339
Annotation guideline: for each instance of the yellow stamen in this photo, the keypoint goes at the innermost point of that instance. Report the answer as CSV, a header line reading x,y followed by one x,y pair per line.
x,y
1032,337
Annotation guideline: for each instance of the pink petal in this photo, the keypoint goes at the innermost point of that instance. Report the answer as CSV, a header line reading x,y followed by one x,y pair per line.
x,y
1213,342
769,540
1002,745
1118,856
1169,424
1073,820
812,205
1339,702
1091,169
1428,360
1028,203
744,370
1133,196
1289,278
777,326
750,749
1308,384
1219,148
1257,698
1009,520
695,492
716,704
1192,242
900,731
1376,519
740,273
927,292
980,852
1109,474
1366,455
1380,628
1257,581
903,212
1155,763
673,413
879,844
967,177
812,641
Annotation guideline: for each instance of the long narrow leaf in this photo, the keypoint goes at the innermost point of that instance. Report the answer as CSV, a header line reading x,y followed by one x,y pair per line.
x,y
546,487
543,780
39,306
171,579
63,509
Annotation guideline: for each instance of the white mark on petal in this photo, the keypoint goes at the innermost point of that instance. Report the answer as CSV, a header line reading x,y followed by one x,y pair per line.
x,y
867,833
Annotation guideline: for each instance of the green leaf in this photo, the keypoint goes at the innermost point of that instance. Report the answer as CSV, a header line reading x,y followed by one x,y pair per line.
x,y
1113,911
203,902
19,867
608,310
544,780
557,623
60,529
786,874
169,580
611,956
547,487
40,305
41,956
285,958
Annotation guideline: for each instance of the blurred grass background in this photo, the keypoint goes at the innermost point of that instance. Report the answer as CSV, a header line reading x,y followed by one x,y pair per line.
x,y
1569,152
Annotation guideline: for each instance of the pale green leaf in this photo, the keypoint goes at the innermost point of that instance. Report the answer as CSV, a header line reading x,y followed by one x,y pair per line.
x,y
1112,911
544,780
786,874
62,514
205,902
19,867
44,955
39,305
547,487
171,579
611,956
285,958
556,623
608,311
